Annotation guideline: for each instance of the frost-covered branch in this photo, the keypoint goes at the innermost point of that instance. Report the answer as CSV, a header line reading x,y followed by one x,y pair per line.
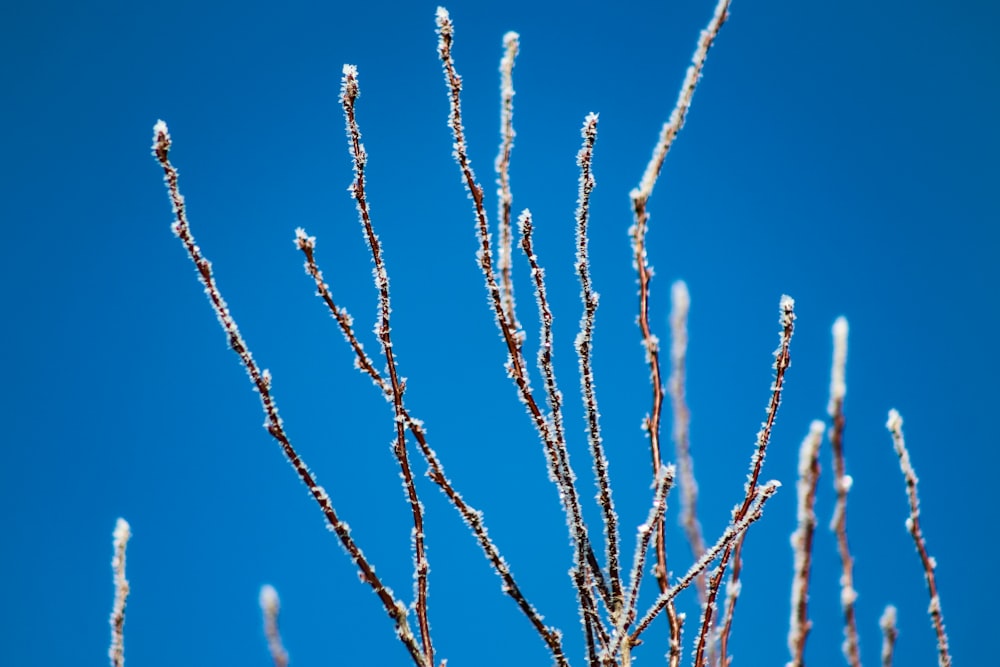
x,y
472,517
724,543
782,360
680,304
895,426
555,447
504,197
842,485
887,623
116,652
802,542
261,380
584,350
270,609
349,92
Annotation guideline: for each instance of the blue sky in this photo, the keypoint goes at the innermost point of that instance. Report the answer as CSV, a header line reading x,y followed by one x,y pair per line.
x,y
841,153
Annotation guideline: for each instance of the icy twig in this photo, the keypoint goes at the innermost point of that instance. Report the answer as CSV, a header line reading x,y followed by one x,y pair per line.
x,y
502,166
584,351
562,475
680,305
558,455
620,641
725,542
802,542
349,93
895,426
673,126
640,196
116,652
261,380
270,607
889,633
472,517
733,589
842,485
781,363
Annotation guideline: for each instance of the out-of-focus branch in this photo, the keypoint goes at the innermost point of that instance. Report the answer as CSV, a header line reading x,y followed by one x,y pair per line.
x,y
116,652
270,608
802,542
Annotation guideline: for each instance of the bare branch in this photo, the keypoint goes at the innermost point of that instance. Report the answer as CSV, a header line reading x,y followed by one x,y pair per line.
x,y
261,380
270,608
116,652
895,426
889,633
842,484
782,360
802,542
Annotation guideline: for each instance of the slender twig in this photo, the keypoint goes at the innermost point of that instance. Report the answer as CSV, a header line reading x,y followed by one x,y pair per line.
x,y
782,360
436,472
895,426
842,484
588,604
270,609
733,589
889,633
620,641
116,652
502,166
640,197
680,304
558,457
261,380
584,350
763,493
802,542
349,92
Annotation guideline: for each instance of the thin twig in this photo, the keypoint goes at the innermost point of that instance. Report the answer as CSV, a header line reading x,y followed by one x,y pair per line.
x,y
270,609
620,641
349,92
116,652
558,457
802,542
261,380
436,472
733,589
502,166
640,197
584,350
842,484
680,304
889,633
782,360
895,426
763,493
588,604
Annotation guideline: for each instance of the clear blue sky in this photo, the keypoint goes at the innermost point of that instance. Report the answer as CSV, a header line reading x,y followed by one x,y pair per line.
x,y
840,152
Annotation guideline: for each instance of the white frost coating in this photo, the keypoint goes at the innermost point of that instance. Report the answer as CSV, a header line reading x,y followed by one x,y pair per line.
x,y
838,384
846,482
787,305
122,533
350,70
269,602
680,297
848,596
895,421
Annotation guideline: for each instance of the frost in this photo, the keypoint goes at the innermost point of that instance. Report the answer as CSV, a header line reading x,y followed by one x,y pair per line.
x,y
269,602
846,482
